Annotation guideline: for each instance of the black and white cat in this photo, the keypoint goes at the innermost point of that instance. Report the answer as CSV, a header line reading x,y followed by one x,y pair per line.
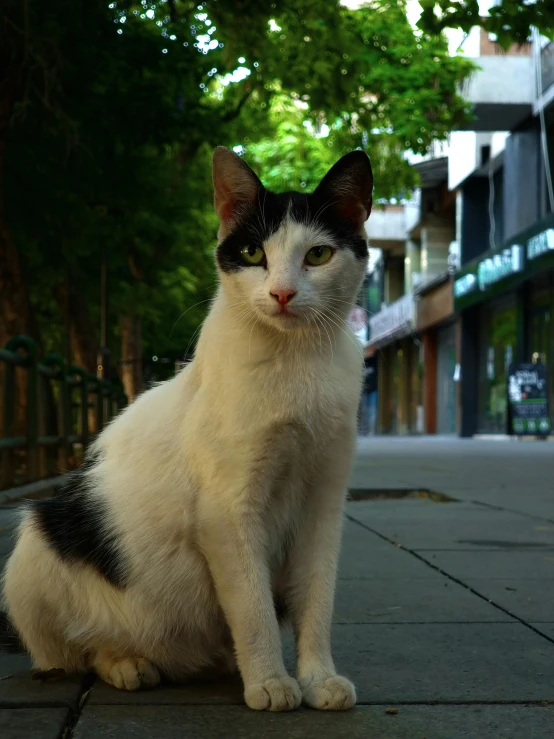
x,y
220,493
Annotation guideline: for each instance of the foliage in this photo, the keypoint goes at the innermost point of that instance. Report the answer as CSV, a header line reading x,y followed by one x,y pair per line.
x,y
116,109
511,21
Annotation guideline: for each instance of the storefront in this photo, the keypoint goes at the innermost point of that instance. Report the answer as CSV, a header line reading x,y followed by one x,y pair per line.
x,y
505,301
497,350
539,328
392,333
437,329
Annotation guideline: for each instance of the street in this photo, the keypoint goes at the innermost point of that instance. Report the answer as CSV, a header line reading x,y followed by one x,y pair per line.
x,y
444,614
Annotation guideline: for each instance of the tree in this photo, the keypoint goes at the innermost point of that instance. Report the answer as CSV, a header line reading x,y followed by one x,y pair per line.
x,y
108,118
511,21
365,74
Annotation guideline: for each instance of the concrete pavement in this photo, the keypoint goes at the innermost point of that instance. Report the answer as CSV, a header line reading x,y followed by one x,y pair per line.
x,y
444,615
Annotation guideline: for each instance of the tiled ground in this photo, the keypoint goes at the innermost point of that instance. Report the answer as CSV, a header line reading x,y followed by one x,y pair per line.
x,y
444,616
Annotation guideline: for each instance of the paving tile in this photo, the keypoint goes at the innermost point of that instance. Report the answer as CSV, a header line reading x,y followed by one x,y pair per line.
x,y
445,662
530,600
402,663
225,692
365,555
519,564
22,690
32,723
453,526
547,629
411,722
11,664
406,600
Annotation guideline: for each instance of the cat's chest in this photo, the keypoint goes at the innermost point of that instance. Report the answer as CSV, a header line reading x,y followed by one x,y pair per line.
x,y
309,394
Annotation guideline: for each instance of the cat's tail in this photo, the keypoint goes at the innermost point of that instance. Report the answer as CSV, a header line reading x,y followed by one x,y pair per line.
x,y
9,638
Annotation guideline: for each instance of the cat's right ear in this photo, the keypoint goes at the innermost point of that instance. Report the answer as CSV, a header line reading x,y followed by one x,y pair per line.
x,y
236,188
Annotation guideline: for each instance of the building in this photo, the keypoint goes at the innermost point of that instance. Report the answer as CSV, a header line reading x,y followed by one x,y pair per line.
x,y
468,287
414,329
391,316
504,290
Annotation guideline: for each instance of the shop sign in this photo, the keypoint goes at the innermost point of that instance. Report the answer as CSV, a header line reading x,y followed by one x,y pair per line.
x,y
465,285
393,318
493,269
528,400
540,244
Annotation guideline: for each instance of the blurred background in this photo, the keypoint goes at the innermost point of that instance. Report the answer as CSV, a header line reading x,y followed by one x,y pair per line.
x,y
109,113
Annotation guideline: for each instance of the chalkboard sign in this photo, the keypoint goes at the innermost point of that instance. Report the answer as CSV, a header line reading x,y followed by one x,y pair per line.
x,y
528,400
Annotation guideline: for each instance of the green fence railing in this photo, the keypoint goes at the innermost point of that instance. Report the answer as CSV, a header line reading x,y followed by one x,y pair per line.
x,y
49,411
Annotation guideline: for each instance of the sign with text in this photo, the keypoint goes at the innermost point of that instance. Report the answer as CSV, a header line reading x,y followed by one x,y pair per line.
x,y
501,265
528,400
540,244
393,320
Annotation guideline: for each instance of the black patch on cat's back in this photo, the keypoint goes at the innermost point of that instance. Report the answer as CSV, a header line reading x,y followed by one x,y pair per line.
x,y
267,214
75,524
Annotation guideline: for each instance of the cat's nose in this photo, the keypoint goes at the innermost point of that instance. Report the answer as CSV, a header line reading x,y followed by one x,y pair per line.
x,y
283,296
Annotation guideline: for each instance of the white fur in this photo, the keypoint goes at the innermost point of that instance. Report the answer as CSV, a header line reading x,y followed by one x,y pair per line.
x,y
225,486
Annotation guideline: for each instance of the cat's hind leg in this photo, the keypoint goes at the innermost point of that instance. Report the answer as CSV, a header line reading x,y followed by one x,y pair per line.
x,y
125,673
35,600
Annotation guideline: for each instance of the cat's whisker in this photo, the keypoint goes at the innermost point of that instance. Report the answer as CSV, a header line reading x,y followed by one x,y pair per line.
x,y
250,337
192,338
313,310
324,207
187,310
347,332
324,325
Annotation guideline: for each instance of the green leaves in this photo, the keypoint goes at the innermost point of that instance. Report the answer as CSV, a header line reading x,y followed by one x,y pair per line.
x,y
511,21
120,105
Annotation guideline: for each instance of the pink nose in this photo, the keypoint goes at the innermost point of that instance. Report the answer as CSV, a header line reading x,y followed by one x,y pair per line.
x,y
283,296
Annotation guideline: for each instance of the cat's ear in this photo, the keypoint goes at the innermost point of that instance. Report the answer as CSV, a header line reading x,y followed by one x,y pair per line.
x,y
348,186
236,188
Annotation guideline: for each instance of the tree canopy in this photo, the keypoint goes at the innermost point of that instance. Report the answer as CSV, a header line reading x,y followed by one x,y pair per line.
x,y
511,21
108,116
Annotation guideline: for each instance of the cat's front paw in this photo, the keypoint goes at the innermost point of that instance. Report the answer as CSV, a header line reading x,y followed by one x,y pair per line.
x,y
277,694
335,693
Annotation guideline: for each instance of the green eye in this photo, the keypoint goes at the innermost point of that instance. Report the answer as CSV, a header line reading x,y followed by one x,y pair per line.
x,y
318,255
252,254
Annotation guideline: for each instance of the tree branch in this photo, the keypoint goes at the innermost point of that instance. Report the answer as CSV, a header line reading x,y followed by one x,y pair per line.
x,y
232,114
173,14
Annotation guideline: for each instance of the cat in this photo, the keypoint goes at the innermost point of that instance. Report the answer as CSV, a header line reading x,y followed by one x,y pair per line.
x,y
219,494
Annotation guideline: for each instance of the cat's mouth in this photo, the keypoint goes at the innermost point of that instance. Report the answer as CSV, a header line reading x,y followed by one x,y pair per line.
x,y
283,317
286,315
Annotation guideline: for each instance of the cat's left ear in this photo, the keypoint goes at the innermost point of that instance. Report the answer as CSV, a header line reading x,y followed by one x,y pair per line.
x,y
236,188
348,186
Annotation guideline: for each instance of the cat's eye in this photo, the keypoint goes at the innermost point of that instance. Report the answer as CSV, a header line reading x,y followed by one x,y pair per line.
x,y
252,254
318,255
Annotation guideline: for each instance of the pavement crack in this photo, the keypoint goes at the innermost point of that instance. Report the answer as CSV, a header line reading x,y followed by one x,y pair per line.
x,y
74,715
450,577
512,510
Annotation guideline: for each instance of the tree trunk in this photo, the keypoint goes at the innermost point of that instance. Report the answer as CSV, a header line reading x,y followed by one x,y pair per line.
x,y
15,304
82,336
16,313
131,356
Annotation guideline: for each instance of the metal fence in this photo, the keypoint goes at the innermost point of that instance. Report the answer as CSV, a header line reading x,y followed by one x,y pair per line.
x,y
50,412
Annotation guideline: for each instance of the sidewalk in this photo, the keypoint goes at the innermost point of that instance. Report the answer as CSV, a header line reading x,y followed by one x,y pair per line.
x,y
444,616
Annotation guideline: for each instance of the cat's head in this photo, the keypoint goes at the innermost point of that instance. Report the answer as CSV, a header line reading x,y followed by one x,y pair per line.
x,y
292,258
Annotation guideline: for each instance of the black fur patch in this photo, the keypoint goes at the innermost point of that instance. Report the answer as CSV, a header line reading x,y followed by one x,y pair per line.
x,y
75,524
264,219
